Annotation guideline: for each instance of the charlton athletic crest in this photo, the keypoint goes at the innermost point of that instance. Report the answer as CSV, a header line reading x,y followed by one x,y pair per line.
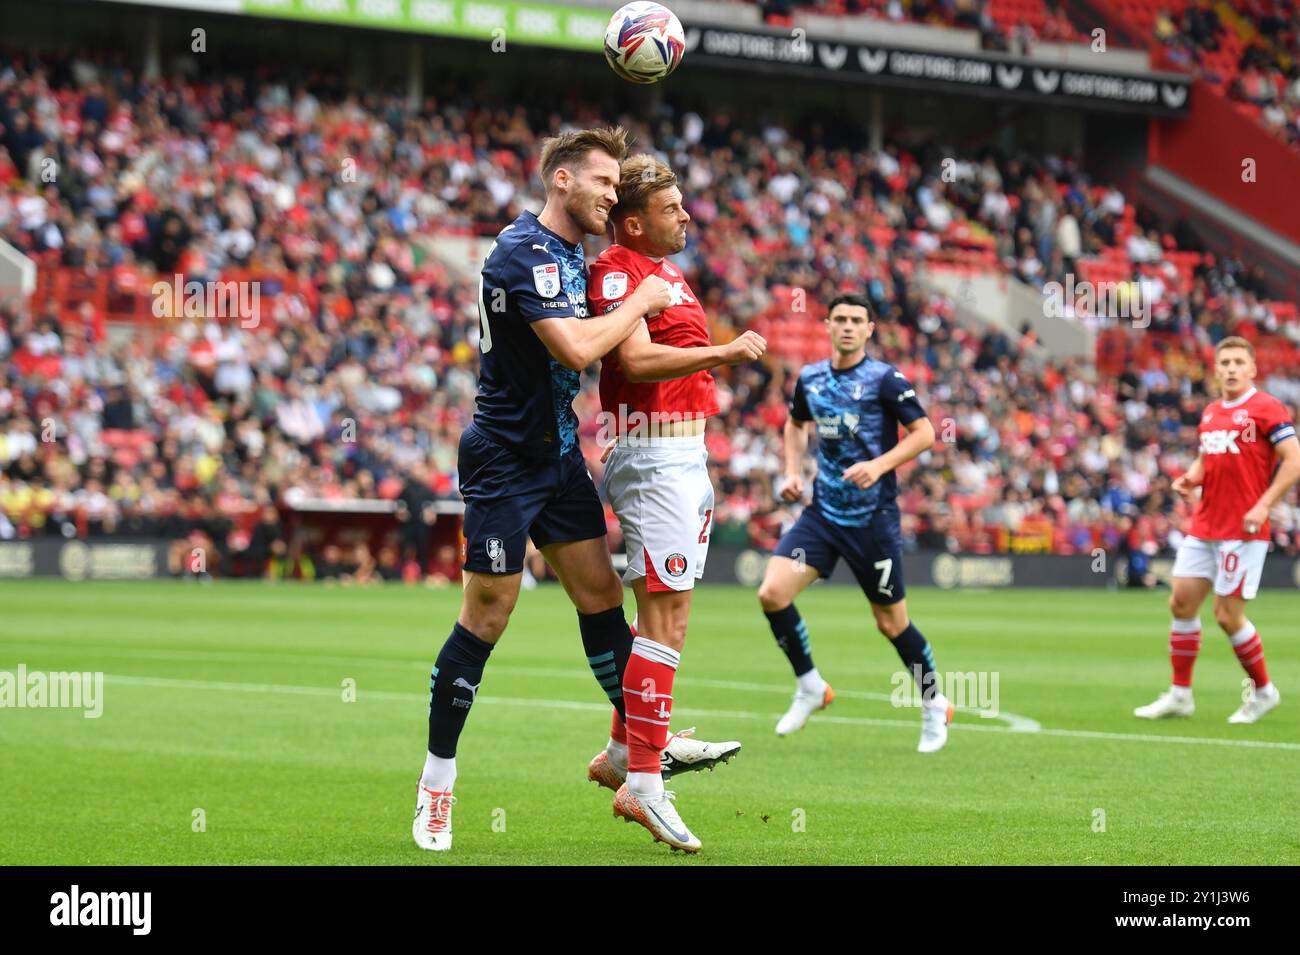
x,y
494,547
675,565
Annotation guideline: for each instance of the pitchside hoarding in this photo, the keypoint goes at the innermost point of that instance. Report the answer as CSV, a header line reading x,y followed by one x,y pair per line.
x,y
755,49
110,559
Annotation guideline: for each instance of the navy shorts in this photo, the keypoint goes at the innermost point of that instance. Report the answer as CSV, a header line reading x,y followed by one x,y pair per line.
x,y
509,498
874,552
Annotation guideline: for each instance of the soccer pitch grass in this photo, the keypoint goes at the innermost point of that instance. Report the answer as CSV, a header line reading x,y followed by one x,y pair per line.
x,y
229,698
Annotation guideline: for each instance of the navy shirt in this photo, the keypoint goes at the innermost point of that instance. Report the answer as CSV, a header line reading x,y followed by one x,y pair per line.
x,y
525,396
857,411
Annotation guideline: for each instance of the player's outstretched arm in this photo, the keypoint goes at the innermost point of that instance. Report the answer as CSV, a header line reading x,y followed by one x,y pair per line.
x,y
645,360
1288,472
919,438
577,343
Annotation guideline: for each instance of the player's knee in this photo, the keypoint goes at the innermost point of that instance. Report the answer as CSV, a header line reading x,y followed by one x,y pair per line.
x,y
771,597
599,596
890,624
1183,606
486,612
1177,607
1230,619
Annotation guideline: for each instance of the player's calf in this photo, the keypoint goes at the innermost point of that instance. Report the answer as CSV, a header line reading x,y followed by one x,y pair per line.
x,y
453,687
914,650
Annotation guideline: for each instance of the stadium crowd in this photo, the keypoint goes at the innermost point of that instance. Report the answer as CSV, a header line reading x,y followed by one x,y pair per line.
x,y
1266,74
360,376
1015,29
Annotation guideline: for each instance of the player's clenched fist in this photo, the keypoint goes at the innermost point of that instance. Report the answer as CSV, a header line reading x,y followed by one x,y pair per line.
x,y
748,347
654,293
793,488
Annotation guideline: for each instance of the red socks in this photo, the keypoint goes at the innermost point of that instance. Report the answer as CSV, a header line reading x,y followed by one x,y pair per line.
x,y
648,700
1184,644
1250,653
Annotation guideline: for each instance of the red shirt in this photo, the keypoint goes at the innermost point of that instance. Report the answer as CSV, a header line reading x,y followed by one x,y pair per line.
x,y
1237,440
683,324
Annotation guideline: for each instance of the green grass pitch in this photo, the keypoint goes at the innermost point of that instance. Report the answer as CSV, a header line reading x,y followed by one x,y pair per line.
x,y
229,698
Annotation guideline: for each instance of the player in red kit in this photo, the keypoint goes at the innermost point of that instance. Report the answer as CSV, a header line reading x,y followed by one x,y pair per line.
x,y
1249,458
656,394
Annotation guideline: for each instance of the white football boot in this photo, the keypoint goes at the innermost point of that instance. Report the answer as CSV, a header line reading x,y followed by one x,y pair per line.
x,y
432,826
1262,699
935,717
804,705
659,815
683,754
1167,704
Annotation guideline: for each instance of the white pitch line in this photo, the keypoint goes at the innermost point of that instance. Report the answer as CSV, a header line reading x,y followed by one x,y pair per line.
x,y
1014,721
407,697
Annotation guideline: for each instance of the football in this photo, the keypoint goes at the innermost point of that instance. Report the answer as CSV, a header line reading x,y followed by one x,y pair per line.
x,y
644,42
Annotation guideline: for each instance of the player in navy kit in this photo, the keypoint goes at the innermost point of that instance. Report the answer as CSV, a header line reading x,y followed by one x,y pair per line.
x,y
522,473
855,405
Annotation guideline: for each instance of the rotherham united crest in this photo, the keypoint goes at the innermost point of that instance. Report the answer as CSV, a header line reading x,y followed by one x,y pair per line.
x,y
675,565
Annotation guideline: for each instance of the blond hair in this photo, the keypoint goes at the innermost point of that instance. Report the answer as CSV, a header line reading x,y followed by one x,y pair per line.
x,y
1235,341
570,149
640,177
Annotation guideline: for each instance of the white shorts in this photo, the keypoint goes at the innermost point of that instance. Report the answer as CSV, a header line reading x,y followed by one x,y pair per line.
x,y
661,492
1234,566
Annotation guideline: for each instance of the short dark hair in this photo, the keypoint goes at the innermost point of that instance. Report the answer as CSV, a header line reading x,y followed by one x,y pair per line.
x,y
573,147
852,299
